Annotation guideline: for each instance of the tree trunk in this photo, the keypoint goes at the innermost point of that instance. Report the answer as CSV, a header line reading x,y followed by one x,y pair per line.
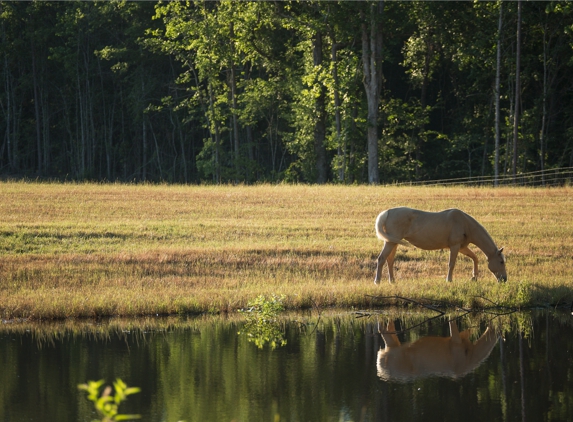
x,y
509,135
182,146
80,128
423,102
372,62
250,147
8,116
45,113
320,124
517,92
157,153
215,131
37,112
233,83
107,124
341,148
544,115
497,93
143,135
144,149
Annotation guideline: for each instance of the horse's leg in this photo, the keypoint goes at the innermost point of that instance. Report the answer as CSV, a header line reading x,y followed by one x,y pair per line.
x,y
453,255
389,335
468,252
390,261
386,251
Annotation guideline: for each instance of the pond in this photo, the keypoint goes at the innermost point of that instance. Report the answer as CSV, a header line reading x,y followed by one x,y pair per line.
x,y
333,367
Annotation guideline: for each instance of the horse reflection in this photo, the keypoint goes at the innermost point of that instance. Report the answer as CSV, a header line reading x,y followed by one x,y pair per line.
x,y
451,357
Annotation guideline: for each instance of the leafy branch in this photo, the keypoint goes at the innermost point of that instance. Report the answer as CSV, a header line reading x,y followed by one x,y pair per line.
x,y
106,405
262,325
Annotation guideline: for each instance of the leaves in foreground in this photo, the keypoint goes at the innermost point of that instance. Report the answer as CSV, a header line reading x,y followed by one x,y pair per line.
x,y
262,326
106,405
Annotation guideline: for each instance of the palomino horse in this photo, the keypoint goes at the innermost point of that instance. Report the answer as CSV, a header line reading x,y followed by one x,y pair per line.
x,y
451,357
451,229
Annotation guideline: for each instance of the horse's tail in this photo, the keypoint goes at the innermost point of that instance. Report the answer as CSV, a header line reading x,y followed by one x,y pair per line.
x,y
381,230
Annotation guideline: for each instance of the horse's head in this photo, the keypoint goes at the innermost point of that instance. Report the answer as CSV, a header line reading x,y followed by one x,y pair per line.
x,y
496,265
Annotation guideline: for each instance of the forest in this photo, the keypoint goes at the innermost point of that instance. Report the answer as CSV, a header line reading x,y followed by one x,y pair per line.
x,y
284,91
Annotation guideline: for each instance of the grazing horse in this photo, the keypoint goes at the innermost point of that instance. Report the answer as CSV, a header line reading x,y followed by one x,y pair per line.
x,y
451,229
451,357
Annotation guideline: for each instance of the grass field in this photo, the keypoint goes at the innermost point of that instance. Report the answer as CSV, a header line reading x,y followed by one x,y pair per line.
x,y
85,250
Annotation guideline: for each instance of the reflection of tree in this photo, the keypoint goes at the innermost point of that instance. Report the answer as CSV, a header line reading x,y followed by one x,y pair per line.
x,y
521,376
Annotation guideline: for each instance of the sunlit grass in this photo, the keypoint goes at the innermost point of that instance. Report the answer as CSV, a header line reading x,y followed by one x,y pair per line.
x,y
84,250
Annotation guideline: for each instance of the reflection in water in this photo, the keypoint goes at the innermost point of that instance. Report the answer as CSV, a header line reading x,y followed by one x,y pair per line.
x,y
201,370
453,356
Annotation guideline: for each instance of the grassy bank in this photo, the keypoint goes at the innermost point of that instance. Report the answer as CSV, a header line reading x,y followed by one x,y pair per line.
x,y
83,250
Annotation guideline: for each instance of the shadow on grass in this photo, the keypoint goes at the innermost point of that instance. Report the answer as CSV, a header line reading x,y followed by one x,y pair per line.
x,y
558,296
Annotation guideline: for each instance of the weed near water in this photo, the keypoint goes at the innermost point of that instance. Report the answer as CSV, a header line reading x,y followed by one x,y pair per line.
x,y
88,250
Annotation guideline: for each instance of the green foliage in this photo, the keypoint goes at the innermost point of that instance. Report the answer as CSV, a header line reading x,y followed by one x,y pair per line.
x,y
402,135
262,326
107,405
524,292
235,91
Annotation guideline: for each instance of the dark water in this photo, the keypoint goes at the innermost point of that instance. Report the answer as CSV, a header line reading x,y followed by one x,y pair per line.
x,y
201,370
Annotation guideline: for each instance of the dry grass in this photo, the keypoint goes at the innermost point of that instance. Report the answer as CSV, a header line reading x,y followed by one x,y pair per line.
x,y
72,250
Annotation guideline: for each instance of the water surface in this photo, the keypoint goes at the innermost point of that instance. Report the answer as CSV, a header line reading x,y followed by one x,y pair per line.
x,y
331,369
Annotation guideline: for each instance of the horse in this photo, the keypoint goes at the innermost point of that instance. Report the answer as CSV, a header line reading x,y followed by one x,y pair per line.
x,y
451,357
452,228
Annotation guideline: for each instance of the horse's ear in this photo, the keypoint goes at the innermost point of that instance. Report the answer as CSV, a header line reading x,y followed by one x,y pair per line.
x,y
500,250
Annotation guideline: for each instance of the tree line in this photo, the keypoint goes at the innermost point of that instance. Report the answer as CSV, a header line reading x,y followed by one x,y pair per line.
x,y
295,91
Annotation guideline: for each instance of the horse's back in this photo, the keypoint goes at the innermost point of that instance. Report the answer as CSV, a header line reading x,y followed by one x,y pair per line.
x,y
401,215
426,229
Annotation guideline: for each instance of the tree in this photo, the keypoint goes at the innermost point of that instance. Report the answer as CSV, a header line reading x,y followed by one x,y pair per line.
x,y
373,79
421,59
320,124
497,93
517,92
238,92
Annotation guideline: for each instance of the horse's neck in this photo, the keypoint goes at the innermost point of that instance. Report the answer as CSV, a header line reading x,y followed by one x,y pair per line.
x,y
482,239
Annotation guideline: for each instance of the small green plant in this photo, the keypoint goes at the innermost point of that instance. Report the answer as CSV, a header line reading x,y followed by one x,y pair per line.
x,y
262,325
107,405
524,294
